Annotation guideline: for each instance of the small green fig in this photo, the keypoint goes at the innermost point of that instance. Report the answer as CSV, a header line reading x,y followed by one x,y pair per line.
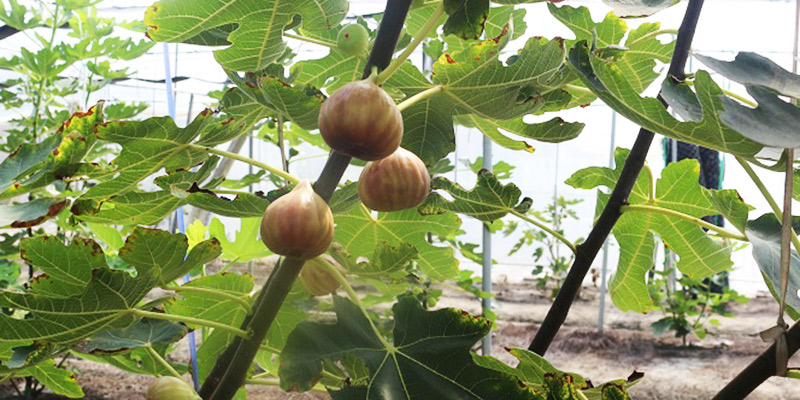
x,y
316,277
362,121
298,224
394,183
353,39
171,388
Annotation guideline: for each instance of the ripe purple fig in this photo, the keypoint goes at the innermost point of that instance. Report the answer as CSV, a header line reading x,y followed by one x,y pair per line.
x,y
298,224
317,279
362,121
171,388
394,183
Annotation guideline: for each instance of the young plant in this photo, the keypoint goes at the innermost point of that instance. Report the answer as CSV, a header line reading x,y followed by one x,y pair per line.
x,y
691,305
552,257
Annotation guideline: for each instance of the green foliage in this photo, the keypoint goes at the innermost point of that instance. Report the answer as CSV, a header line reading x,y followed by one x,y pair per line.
x,y
687,309
95,175
433,344
241,22
701,255
551,257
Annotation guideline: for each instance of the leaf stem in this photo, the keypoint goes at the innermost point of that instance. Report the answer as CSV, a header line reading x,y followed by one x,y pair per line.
x,y
153,353
545,228
677,214
419,97
767,196
653,34
272,382
238,157
430,24
221,293
354,297
652,185
278,352
196,321
310,40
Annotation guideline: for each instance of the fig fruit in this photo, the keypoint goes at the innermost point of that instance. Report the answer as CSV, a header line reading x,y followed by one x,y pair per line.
x,y
353,39
394,183
171,388
298,224
317,279
362,121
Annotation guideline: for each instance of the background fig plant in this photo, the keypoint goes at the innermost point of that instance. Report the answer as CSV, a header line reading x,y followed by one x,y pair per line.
x,y
114,243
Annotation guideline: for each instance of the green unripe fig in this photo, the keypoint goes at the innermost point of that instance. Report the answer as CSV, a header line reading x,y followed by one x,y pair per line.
x,y
353,39
361,120
317,279
394,183
298,224
171,388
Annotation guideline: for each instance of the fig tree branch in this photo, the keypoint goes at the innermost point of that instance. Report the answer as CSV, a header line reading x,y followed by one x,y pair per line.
x,y
231,369
587,251
761,369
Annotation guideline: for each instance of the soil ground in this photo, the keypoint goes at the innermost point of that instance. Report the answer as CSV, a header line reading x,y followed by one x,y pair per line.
x,y
672,371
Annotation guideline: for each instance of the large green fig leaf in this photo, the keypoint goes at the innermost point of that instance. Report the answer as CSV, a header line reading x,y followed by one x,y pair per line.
x,y
54,317
643,46
639,8
146,208
771,122
298,104
601,74
147,332
153,144
59,381
765,236
465,17
487,201
57,158
254,28
30,213
360,234
429,357
678,189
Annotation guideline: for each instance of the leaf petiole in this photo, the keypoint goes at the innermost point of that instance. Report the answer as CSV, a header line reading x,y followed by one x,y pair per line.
x,y
419,97
237,157
153,353
196,321
677,214
430,24
354,297
545,228
221,293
